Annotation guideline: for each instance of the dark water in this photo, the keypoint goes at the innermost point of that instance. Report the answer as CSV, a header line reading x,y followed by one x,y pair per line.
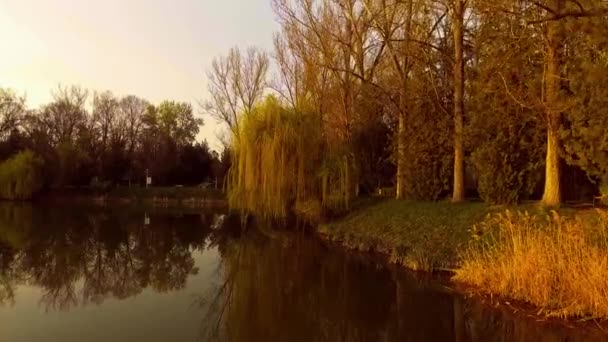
x,y
78,274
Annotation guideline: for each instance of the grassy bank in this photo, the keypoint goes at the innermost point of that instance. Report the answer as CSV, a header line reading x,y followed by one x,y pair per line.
x,y
555,261
419,235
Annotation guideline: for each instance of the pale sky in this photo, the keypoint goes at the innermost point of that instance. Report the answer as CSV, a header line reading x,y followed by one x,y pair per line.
x,y
155,49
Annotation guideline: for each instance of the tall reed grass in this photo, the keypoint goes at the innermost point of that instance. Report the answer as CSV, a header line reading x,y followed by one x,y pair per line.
x,y
557,263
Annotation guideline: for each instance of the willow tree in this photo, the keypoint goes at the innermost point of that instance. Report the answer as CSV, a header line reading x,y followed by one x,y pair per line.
x,y
276,160
20,177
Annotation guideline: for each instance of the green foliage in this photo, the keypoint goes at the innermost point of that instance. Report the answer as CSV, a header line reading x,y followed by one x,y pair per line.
x,y
20,176
585,130
73,165
604,189
176,120
508,158
371,143
505,133
428,154
276,160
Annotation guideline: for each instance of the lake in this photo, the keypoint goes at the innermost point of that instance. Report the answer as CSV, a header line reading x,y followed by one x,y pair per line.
x,y
74,273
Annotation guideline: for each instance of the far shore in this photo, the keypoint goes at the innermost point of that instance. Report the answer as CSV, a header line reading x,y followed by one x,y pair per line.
x,y
176,196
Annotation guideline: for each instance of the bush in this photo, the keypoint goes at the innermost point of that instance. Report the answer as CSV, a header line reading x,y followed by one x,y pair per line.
x,y
20,176
508,169
428,171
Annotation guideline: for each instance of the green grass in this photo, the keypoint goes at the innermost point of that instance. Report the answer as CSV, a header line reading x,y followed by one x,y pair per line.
x,y
419,235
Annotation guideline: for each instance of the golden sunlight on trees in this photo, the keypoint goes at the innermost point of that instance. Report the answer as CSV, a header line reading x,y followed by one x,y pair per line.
x,y
446,98
236,83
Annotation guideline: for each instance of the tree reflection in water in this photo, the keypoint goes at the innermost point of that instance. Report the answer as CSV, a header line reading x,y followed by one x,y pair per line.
x,y
289,287
274,286
87,256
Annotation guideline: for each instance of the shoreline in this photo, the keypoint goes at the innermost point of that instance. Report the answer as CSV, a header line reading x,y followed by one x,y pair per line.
x,y
443,277
447,234
155,197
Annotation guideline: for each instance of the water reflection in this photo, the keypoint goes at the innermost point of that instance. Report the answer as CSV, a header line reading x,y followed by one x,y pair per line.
x,y
281,287
80,274
84,257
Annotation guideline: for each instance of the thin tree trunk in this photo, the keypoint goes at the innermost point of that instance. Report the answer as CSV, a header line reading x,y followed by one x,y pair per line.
x,y
552,193
347,183
401,133
324,191
457,28
348,112
401,141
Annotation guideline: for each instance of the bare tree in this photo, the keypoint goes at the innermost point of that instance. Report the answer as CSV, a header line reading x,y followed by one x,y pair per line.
x,y
395,22
66,114
132,111
105,113
12,111
236,83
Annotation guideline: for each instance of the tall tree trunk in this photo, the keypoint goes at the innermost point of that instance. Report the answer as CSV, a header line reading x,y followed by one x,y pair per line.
x,y
401,133
553,60
324,190
348,188
348,112
457,28
401,141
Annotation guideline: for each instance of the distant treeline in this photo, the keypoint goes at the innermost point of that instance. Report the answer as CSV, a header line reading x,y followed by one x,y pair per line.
x,y
100,140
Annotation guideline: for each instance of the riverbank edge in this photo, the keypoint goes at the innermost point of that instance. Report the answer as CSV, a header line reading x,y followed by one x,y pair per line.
x,y
420,236
333,233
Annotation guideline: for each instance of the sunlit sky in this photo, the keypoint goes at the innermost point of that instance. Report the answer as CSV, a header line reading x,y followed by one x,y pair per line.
x,y
155,49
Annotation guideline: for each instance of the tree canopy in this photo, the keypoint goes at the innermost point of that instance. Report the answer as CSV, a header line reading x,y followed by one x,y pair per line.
x,y
440,98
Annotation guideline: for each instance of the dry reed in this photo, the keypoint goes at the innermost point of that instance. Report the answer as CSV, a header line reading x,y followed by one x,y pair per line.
x,y
559,264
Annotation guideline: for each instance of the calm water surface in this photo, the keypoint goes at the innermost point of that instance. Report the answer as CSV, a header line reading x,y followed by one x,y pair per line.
x,y
91,274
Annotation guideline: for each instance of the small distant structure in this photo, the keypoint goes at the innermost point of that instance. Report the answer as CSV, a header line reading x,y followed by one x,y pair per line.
x,y
385,192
